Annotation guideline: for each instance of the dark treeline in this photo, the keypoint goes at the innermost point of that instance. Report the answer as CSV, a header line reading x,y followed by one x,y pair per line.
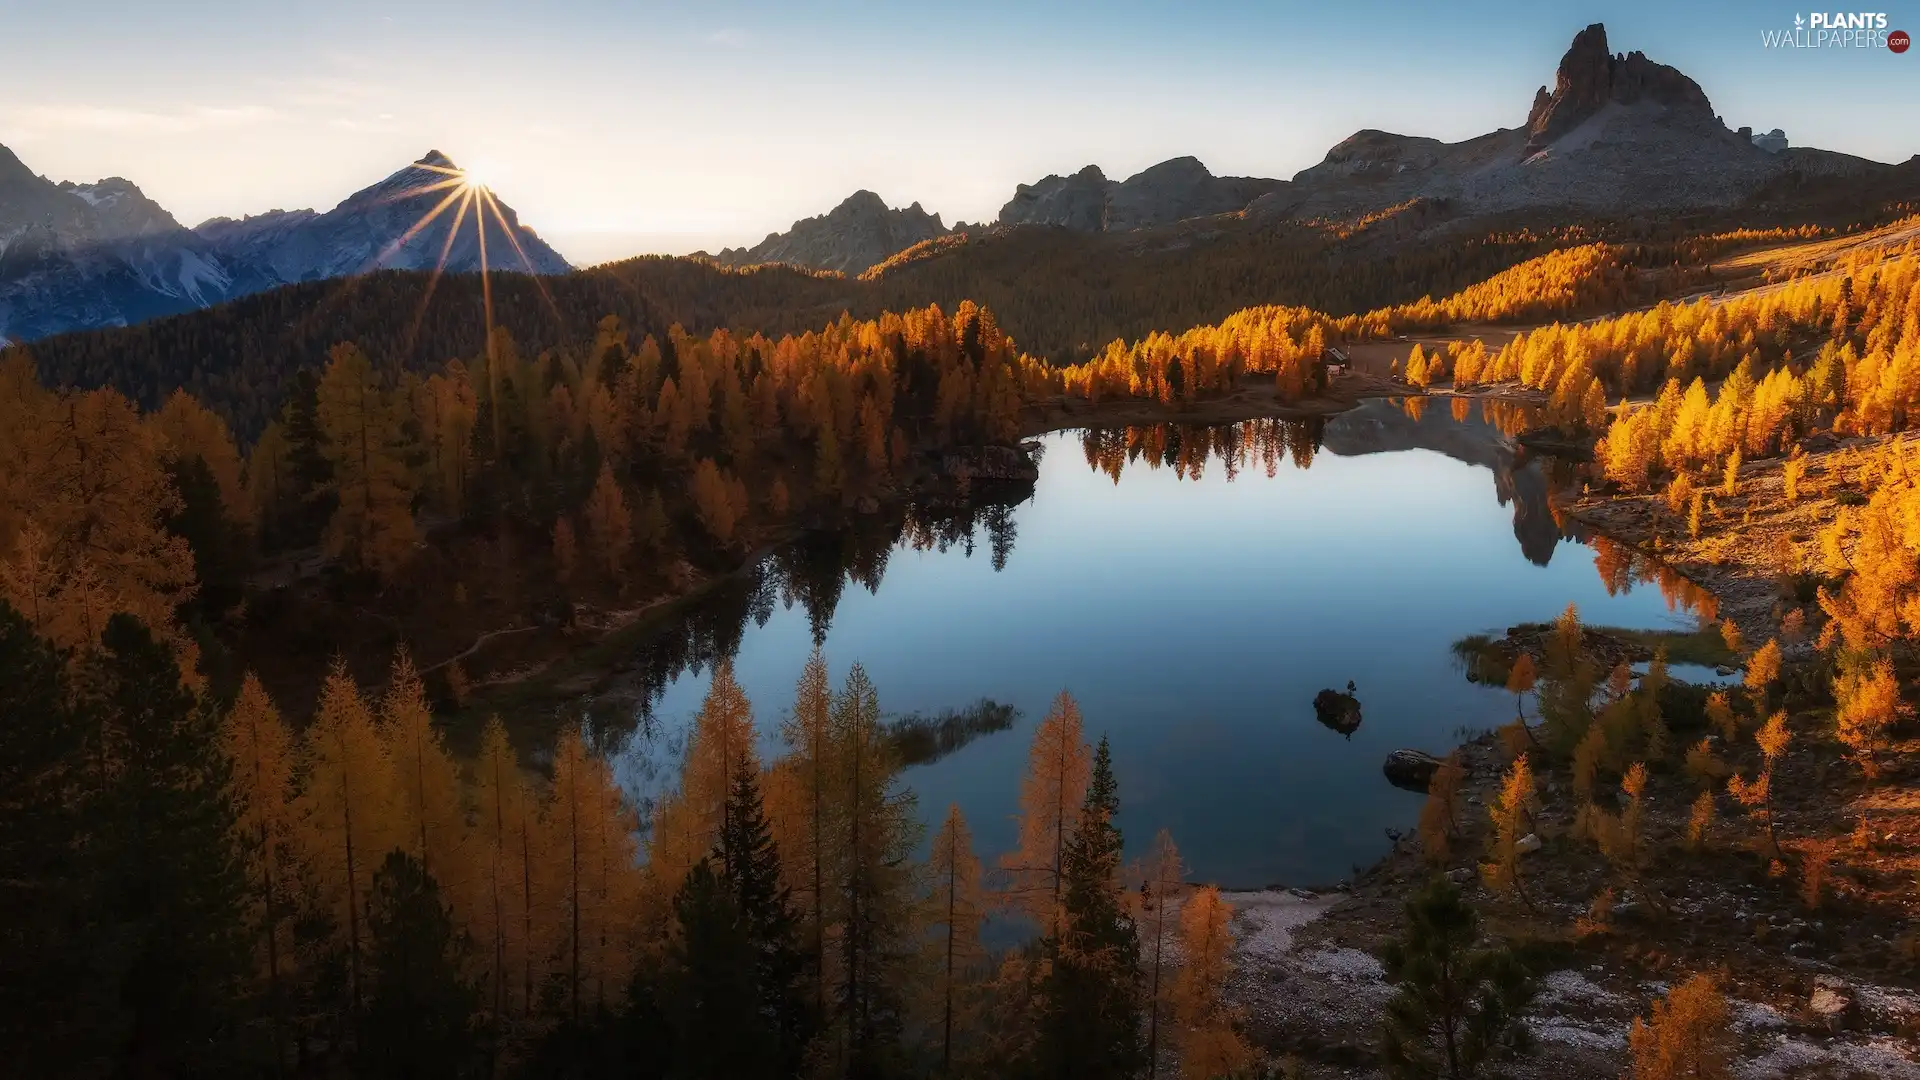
x,y
1063,295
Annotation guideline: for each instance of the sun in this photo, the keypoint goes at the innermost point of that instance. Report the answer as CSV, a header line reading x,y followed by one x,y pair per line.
x,y
465,196
471,178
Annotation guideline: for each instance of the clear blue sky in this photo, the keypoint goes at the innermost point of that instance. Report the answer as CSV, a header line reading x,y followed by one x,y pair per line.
x,y
617,128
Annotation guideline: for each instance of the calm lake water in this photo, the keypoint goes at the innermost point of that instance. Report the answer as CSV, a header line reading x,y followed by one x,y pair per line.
x,y
1194,614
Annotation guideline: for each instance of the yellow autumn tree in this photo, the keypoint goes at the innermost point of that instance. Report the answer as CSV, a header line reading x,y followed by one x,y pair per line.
x,y
592,878
719,500
1163,888
189,430
261,749
345,810
1688,1037
429,820
1059,767
502,897
1209,1045
1511,814
955,912
1757,794
804,805
721,747
84,501
363,438
609,523
1866,696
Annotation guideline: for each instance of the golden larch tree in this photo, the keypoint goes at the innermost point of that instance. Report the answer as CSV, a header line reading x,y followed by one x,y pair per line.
x,y
609,523
84,501
593,878
429,819
956,911
1511,814
1209,1045
502,895
721,746
363,437
345,808
188,430
260,747
1059,767
805,844
1163,888
1689,1036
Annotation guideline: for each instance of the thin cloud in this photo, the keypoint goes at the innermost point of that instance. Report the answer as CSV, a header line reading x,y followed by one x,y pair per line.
x,y
54,119
731,37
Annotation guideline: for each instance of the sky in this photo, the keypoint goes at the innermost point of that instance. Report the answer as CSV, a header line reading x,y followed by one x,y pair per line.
x,y
622,128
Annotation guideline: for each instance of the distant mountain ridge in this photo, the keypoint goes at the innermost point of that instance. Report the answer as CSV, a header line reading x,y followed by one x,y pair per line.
x,y
1174,190
853,236
79,256
1614,134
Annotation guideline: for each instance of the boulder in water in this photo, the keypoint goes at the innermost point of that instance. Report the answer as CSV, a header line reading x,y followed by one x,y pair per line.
x,y
1338,711
1411,770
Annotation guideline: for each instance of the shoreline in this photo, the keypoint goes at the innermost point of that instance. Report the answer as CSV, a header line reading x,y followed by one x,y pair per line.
x,y
1321,994
521,692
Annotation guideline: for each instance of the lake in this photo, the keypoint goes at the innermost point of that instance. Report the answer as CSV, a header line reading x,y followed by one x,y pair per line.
x,y
1193,588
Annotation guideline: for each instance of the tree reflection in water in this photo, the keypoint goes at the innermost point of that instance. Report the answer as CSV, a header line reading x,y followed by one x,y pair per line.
x,y
812,572
815,570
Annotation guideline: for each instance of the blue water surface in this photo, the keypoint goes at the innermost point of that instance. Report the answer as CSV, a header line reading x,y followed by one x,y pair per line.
x,y
1194,619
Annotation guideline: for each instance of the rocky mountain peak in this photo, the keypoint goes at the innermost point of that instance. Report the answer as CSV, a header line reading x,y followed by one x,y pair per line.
x,y
863,202
12,169
1173,190
860,232
1590,77
121,209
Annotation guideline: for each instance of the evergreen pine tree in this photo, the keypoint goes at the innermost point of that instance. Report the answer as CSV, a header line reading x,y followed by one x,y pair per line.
x,y
54,995
720,1032
875,881
172,884
1456,1007
418,1019
751,866
1090,1021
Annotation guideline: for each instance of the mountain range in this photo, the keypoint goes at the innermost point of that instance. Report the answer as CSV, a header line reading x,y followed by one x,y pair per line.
x,y
80,256
1615,136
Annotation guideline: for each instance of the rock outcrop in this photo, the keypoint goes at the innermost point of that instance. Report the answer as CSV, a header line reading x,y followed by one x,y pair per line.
x,y
1338,711
1077,202
1174,190
1591,77
1411,770
861,232
1616,134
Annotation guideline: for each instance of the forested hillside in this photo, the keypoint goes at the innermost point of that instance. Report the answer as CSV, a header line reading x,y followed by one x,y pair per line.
x,y
1064,296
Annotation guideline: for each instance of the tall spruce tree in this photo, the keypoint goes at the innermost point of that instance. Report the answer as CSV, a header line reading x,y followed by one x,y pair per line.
x,y
751,864
172,883
1457,1006
875,880
418,1022
55,996
1091,995
714,999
